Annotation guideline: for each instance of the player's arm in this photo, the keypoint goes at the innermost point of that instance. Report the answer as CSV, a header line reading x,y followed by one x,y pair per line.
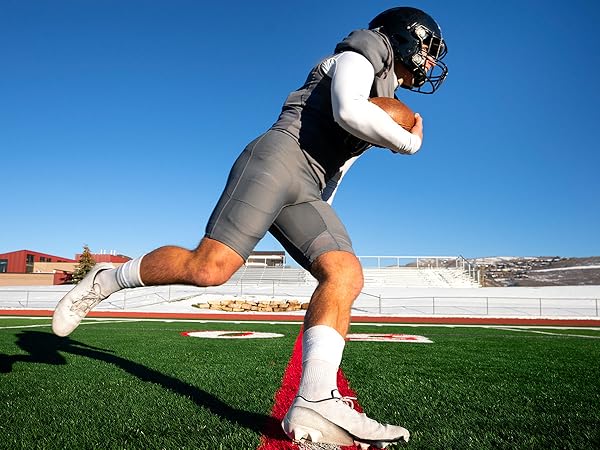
x,y
352,76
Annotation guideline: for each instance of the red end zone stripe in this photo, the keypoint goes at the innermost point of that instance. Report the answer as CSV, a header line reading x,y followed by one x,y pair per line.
x,y
273,437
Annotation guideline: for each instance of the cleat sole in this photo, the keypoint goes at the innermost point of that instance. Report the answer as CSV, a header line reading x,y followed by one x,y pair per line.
x,y
306,424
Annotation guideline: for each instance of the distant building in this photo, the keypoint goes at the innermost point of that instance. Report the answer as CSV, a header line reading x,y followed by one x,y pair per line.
x,y
22,261
29,268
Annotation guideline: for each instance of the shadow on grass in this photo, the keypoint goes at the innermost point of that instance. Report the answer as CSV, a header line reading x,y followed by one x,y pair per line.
x,y
45,348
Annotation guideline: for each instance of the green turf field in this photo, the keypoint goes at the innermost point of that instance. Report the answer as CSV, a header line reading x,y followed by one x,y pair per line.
x,y
141,385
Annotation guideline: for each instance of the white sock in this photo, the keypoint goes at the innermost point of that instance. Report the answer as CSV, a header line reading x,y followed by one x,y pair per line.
x,y
125,276
322,349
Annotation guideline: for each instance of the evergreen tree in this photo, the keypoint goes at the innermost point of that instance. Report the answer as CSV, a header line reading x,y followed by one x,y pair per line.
x,y
86,262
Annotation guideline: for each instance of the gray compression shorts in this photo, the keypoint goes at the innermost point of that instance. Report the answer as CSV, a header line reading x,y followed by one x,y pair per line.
x,y
272,187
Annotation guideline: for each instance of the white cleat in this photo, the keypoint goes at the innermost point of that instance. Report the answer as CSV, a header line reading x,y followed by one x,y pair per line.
x,y
79,301
334,420
301,424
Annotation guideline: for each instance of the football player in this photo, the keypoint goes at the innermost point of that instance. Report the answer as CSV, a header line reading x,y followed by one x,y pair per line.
x,y
284,182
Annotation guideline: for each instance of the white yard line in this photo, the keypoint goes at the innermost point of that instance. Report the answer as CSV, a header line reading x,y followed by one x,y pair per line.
x,y
376,324
50,324
26,326
552,334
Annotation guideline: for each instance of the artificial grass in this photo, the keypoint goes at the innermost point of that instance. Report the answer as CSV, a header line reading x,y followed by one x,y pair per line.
x,y
483,388
25,321
141,385
136,385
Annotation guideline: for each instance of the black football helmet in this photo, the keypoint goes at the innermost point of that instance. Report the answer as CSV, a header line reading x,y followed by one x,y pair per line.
x,y
417,44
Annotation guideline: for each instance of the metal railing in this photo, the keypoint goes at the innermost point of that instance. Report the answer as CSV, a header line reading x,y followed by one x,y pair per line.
x,y
419,262
495,306
472,269
148,298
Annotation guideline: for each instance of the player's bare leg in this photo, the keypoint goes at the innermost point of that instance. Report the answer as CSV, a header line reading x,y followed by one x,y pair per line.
x,y
210,264
319,413
340,280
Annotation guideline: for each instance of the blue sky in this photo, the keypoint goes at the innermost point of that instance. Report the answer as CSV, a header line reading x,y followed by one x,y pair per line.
x,y
119,121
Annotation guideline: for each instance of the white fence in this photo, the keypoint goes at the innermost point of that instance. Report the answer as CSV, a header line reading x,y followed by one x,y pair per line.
x,y
493,306
581,301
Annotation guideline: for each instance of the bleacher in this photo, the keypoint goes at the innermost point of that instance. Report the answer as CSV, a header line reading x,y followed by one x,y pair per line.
x,y
389,276
412,277
249,275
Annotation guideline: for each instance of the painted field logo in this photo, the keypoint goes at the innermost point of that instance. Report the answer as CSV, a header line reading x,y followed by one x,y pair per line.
x,y
210,334
386,337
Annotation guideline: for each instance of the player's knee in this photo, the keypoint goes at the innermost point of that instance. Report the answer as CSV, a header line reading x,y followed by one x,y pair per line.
x,y
341,268
208,272
213,263
353,278
209,276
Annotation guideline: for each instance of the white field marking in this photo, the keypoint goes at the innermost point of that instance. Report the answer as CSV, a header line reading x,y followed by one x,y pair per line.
x,y
87,319
387,337
210,334
27,326
551,334
50,324
26,317
356,324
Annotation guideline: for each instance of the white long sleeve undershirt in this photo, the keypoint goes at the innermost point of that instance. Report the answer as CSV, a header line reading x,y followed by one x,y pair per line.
x,y
352,76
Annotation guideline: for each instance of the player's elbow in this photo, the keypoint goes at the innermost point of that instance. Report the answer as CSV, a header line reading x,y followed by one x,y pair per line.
x,y
345,117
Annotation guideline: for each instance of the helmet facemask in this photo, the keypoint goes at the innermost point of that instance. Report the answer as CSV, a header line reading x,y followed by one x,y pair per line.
x,y
424,60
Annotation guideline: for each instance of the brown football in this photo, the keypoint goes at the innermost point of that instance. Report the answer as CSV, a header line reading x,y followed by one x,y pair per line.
x,y
402,114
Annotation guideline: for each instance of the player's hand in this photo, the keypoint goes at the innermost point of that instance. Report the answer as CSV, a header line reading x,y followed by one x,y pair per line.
x,y
417,129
